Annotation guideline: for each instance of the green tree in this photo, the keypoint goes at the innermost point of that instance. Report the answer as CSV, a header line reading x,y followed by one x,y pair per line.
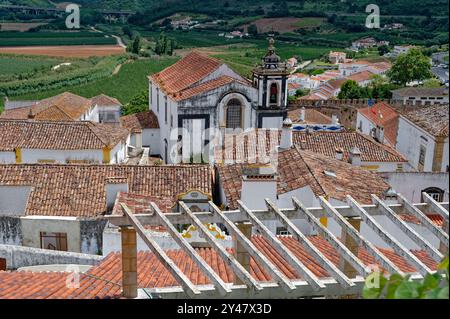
x,y
432,286
383,49
136,46
252,30
350,90
126,30
432,83
413,66
139,103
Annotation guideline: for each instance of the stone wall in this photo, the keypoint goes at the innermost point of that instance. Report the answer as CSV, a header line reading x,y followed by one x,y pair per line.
x,y
10,230
18,256
91,236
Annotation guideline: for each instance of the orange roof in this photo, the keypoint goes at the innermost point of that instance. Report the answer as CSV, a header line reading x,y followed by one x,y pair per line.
x,y
383,114
361,76
139,121
104,280
205,87
105,100
186,72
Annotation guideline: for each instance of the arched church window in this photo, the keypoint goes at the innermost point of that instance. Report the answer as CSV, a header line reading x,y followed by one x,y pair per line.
x,y
234,114
273,93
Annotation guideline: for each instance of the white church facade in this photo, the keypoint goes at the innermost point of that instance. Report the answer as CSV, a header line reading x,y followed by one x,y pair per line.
x,y
199,98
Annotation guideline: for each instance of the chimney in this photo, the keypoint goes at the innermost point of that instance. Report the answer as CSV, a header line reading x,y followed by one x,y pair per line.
x,y
30,114
379,134
302,114
113,186
286,134
129,262
258,183
355,156
339,154
334,119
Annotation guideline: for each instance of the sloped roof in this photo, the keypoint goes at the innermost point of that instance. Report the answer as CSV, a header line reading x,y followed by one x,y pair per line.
x,y
73,135
245,146
105,279
62,107
421,91
140,121
384,115
311,116
105,100
186,72
297,169
360,76
79,190
434,119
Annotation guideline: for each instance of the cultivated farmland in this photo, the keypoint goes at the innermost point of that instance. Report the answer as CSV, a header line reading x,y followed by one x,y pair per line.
x,y
78,51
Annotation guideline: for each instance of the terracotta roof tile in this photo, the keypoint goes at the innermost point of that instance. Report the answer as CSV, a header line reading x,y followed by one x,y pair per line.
x,y
140,204
65,106
104,280
311,117
186,72
139,121
384,115
79,190
73,135
297,169
243,147
360,76
105,100
433,119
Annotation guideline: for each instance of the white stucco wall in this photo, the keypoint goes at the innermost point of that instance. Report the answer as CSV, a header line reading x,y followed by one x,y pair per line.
x,y
411,184
7,158
410,138
61,156
33,225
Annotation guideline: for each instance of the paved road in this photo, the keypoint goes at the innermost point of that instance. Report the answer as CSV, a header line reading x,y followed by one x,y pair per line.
x,y
441,73
439,56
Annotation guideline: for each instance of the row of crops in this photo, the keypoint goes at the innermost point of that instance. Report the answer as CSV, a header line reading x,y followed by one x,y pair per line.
x,y
53,38
99,68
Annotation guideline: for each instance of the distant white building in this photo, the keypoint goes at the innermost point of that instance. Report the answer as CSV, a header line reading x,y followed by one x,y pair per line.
x,y
401,49
421,95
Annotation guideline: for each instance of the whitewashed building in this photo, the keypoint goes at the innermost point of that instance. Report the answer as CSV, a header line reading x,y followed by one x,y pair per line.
x,y
423,138
29,141
199,96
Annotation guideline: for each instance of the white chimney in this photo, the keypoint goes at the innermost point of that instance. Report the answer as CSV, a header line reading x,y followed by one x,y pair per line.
x,y
355,156
258,183
302,114
379,134
334,119
339,154
286,134
112,187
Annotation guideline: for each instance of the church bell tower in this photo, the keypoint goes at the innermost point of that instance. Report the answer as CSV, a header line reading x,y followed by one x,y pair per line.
x,y
270,78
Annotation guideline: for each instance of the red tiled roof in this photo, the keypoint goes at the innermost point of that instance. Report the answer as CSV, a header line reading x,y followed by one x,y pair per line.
x,y
434,119
105,100
186,72
54,135
311,117
104,280
360,76
384,115
438,220
243,146
297,169
65,106
141,204
205,87
139,121
79,190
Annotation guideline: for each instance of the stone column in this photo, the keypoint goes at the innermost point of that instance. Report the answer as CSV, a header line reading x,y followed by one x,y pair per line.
x,y
350,243
129,262
242,256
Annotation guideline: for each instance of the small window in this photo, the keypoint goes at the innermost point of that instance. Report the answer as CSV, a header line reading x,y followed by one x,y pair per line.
x,y
282,231
422,153
234,114
53,241
157,100
273,94
436,193
165,110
